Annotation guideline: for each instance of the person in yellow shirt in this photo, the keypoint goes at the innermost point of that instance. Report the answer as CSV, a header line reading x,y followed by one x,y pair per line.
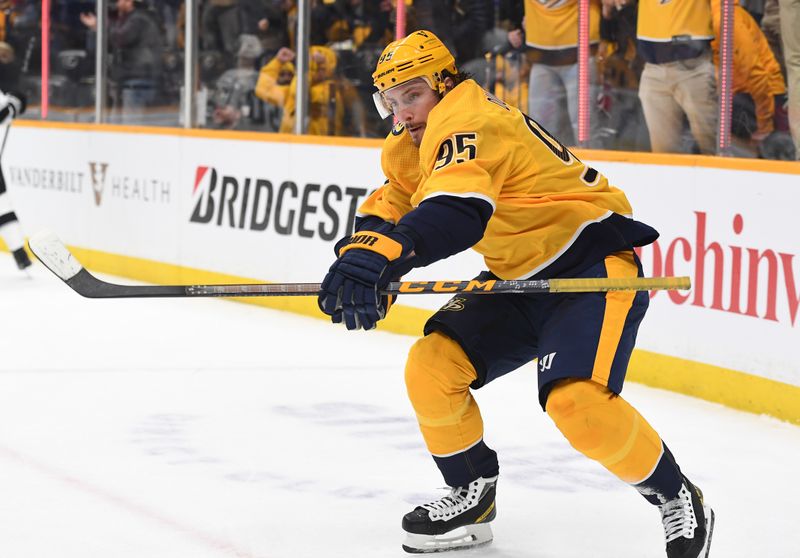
x,y
465,170
510,83
275,77
334,106
755,70
678,80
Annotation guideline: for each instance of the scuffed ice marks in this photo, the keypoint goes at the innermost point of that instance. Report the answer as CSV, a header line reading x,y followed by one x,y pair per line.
x,y
182,440
167,436
384,428
548,466
554,467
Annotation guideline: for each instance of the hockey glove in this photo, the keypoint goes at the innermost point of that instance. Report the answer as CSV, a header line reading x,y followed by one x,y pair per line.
x,y
351,291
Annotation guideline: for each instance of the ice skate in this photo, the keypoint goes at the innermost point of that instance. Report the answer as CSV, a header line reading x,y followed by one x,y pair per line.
x,y
688,523
459,520
22,259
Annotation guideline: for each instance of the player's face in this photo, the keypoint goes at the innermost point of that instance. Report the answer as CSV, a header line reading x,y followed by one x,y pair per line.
x,y
411,103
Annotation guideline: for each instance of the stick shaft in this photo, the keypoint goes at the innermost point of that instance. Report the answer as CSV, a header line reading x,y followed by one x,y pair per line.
x,y
454,287
58,259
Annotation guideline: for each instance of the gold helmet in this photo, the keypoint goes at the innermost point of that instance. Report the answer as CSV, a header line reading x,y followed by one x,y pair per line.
x,y
420,54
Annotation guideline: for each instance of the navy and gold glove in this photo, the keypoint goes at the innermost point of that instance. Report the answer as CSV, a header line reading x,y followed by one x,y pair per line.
x,y
368,261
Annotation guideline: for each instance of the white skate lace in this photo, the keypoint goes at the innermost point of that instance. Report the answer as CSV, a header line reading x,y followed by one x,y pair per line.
x,y
450,505
678,516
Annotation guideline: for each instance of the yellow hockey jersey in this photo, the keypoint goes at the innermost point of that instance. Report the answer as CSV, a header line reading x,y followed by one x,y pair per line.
x,y
551,213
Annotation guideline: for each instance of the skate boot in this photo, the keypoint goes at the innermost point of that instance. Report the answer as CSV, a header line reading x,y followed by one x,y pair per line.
x,y
457,521
21,257
688,523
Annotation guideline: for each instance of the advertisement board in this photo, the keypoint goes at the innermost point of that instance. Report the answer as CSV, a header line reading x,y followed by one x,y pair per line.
x,y
269,208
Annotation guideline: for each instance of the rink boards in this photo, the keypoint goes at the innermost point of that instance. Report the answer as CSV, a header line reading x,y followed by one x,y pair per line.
x,y
174,206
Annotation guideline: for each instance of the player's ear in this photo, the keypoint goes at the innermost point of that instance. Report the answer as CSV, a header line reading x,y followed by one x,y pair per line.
x,y
449,83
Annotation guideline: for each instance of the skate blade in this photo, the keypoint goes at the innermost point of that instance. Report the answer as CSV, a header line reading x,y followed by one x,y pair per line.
x,y
709,513
470,536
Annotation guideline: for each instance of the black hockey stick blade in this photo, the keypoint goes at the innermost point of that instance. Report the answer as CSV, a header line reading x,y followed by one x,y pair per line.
x,y
46,246
57,258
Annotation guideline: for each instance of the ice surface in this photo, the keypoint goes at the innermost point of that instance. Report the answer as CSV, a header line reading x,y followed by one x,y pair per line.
x,y
204,428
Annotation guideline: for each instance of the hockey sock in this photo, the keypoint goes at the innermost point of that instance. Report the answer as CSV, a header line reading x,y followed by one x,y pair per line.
x,y
606,428
438,376
664,483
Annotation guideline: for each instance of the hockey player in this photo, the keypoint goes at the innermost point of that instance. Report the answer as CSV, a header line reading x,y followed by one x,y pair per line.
x,y
11,106
465,170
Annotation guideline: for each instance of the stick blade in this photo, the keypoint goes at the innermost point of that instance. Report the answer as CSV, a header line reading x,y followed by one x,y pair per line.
x,y
46,246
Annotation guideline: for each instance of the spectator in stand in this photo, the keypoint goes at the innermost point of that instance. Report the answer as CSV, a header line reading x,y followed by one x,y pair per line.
x,y
9,67
334,107
233,102
275,78
755,8
460,24
272,86
274,34
619,64
771,26
758,87
136,49
220,28
790,33
374,27
679,77
551,34
511,79
332,21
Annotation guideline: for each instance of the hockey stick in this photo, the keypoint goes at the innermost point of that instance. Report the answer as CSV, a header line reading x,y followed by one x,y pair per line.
x,y
58,259
5,137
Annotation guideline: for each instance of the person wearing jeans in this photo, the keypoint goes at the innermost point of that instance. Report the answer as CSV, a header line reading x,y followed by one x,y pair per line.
x,y
551,36
678,79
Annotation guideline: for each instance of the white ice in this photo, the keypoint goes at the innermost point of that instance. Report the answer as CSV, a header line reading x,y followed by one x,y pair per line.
x,y
171,428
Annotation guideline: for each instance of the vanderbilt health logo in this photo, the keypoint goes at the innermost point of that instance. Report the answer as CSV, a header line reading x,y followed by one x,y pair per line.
x,y
97,172
133,188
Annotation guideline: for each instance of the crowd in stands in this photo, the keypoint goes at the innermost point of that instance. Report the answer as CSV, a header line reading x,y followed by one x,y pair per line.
x,y
653,64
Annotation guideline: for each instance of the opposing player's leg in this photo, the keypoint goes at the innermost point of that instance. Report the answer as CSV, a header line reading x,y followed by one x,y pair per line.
x,y
462,350
580,392
10,231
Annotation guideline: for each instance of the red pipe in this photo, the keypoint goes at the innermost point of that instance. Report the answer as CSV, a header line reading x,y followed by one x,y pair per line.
x,y
583,72
400,20
725,69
